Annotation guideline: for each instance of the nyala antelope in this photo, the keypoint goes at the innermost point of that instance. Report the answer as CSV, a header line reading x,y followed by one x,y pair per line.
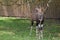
x,y
38,16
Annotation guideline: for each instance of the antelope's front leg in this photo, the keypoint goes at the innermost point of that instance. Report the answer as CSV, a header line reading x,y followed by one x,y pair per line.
x,y
31,30
32,22
37,32
40,31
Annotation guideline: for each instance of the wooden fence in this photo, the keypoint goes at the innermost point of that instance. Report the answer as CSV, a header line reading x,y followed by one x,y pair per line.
x,y
23,10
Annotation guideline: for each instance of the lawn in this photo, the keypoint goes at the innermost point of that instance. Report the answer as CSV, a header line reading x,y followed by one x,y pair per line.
x,y
18,29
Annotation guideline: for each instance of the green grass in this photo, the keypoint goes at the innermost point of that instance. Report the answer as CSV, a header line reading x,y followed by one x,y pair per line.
x,y
18,29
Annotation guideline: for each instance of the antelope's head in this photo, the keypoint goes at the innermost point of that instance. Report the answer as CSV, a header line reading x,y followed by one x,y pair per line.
x,y
42,8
